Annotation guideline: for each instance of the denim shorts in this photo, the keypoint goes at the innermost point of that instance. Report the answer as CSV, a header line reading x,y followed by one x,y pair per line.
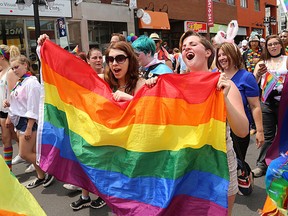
x,y
22,125
3,115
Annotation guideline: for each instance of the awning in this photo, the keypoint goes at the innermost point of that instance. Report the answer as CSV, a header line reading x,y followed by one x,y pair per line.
x,y
154,20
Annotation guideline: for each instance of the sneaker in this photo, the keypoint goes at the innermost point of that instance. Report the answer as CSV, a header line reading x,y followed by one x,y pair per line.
x,y
98,203
35,183
17,160
48,180
30,168
258,172
79,204
72,187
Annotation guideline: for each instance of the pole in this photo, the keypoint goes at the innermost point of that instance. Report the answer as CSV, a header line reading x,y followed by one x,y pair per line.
x,y
37,29
36,20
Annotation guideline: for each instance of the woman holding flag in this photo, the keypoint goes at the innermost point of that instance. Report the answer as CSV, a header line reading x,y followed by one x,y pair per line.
x,y
271,72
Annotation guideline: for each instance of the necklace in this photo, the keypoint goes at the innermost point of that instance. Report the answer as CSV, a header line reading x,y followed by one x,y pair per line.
x,y
251,56
122,87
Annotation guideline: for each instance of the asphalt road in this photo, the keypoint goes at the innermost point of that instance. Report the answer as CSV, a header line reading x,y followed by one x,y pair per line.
x,y
55,199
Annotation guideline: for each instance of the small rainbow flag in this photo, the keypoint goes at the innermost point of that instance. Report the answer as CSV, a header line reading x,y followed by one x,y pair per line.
x,y
280,143
15,199
163,153
268,85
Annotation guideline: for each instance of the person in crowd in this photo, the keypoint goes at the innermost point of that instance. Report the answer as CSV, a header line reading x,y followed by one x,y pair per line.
x,y
284,38
251,57
253,54
145,49
244,46
176,54
165,46
198,54
23,112
116,37
262,43
95,60
229,61
272,70
161,53
7,80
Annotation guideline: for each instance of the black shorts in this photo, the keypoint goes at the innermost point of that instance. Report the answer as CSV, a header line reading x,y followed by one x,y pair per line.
x,y
3,115
22,125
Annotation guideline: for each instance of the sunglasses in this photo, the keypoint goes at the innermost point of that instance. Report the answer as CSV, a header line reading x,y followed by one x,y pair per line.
x,y
120,59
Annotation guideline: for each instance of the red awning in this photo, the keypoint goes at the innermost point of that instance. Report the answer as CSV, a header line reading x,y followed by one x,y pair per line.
x,y
154,20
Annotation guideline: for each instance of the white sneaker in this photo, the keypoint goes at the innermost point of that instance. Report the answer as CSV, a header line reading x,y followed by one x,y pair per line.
x,y
30,169
71,187
17,159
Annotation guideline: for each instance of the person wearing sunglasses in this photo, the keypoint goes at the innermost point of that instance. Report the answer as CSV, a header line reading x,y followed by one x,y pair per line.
x,y
274,67
145,49
121,72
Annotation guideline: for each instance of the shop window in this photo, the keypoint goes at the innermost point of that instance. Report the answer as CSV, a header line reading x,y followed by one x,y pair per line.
x,y
243,3
46,26
257,5
231,2
99,33
12,33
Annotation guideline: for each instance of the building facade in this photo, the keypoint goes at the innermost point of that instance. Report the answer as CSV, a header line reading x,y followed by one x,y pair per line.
x,y
91,22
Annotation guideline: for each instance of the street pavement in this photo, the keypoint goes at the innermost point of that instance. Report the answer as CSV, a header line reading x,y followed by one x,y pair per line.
x,y
55,199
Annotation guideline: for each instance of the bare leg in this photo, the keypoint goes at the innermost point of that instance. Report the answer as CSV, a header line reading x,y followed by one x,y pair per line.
x,y
231,200
28,153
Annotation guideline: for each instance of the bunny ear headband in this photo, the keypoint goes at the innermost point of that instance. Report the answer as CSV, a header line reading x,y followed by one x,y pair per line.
x,y
232,31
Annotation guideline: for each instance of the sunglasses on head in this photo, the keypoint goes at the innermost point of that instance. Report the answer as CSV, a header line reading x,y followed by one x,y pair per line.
x,y
120,59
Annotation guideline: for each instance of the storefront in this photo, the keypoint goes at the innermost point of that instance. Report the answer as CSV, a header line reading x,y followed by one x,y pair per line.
x,y
17,26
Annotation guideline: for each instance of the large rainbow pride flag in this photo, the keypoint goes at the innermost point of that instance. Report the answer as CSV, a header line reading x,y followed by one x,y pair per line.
x,y
163,153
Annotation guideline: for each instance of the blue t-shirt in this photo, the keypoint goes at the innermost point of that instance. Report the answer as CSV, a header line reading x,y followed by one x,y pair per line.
x,y
248,87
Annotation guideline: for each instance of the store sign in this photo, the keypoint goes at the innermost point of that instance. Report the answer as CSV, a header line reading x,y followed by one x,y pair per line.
x,y
195,26
13,31
210,15
61,8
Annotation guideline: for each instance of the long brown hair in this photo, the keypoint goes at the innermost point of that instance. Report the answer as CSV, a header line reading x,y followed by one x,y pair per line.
x,y
132,75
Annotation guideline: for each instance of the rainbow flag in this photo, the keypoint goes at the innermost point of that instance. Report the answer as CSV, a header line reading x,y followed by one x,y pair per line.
x,y
280,143
163,153
15,199
268,85
276,181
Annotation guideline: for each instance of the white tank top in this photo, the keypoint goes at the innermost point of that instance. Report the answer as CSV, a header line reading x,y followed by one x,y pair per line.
x,y
3,91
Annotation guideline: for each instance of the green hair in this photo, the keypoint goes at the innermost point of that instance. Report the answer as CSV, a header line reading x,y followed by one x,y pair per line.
x,y
145,45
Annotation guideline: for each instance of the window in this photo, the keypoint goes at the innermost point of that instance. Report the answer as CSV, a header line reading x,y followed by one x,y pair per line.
x,y
243,3
257,5
231,2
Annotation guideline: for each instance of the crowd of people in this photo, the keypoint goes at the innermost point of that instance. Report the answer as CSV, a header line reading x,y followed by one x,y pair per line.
x,y
126,67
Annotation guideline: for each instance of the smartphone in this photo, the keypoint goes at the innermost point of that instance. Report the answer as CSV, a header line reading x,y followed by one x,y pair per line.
x,y
261,65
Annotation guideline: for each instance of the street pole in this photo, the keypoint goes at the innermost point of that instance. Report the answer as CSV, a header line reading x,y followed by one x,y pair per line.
x,y
36,20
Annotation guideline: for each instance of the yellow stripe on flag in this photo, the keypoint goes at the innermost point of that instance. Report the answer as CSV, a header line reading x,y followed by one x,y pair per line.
x,y
14,197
